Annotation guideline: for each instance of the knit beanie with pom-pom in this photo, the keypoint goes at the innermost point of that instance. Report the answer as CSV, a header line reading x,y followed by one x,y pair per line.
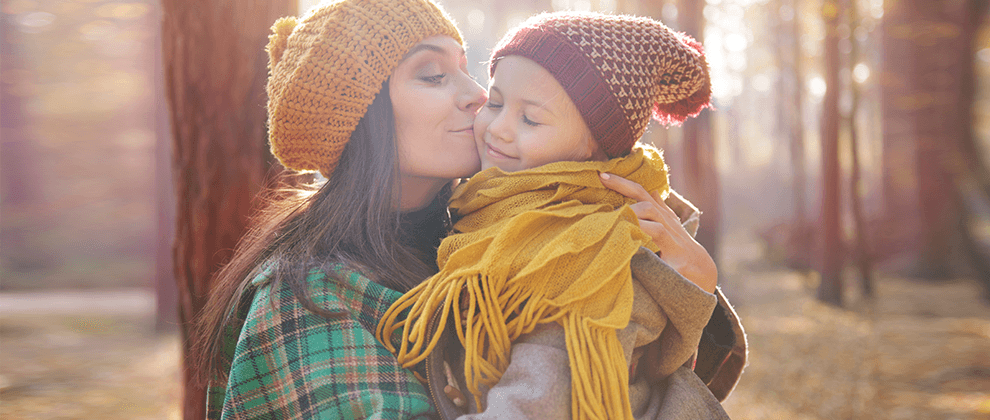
x,y
618,70
327,67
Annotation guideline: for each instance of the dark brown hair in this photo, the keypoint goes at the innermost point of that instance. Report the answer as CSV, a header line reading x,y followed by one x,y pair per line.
x,y
350,219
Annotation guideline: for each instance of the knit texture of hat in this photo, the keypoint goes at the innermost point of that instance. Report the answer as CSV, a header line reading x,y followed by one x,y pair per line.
x,y
618,70
326,69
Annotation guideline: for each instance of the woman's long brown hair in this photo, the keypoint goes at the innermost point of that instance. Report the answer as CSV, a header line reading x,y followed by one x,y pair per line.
x,y
349,220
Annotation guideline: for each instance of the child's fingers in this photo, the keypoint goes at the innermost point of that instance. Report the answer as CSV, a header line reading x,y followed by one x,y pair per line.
x,y
625,187
647,210
656,196
455,395
649,205
651,221
659,222
660,234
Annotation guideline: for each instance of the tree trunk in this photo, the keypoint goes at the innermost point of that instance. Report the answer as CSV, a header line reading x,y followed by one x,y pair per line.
x,y
802,235
863,256
974,187
970,149
830,288
18,180
166,290
928,105
700,168
937,134
899,229
781,15
942,52
790,126
215,71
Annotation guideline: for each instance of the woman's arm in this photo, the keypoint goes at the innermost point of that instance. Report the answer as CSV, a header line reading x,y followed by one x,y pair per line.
x,y
677,247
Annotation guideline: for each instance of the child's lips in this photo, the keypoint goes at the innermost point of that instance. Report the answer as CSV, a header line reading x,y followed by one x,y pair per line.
x,y
495,153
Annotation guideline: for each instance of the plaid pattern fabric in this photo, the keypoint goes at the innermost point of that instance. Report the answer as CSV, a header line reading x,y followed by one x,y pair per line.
x,y
289,363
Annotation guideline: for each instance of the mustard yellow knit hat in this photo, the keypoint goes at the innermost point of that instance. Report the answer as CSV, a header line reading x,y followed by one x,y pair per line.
x,y
326,69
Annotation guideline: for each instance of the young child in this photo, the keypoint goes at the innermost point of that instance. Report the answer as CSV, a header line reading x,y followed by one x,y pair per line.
x,y
539,242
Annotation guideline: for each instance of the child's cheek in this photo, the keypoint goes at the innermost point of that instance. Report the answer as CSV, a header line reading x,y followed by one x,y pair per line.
x,y
481,122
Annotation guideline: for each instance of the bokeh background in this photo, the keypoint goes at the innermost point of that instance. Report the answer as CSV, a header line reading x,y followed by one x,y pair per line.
x,y
88,327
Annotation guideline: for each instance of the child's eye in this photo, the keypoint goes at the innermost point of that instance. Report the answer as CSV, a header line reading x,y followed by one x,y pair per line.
x,y
436,80
493,105
530,122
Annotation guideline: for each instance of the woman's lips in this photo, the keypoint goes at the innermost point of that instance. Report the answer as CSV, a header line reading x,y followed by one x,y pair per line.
x,y
495,153
469,130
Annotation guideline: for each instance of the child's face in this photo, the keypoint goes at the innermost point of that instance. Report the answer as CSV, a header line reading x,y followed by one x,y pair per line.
x,y
529,120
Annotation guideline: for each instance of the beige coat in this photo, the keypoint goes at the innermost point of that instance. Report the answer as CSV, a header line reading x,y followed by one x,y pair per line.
x,y
668,322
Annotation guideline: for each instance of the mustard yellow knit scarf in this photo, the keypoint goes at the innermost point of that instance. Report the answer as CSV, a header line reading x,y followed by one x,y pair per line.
x,y
549,244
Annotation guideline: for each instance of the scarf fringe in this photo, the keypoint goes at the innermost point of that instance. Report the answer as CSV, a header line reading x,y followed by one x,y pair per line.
x,y
497,314
600,389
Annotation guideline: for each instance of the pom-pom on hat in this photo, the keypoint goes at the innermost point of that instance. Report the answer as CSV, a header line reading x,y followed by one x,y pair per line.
x,y
326,69
618,70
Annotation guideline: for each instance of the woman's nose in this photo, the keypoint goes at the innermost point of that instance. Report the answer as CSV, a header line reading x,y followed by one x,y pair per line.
x,y
473,96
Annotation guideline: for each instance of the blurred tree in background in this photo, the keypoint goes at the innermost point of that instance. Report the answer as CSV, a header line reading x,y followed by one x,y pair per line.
x,y
930,150
701,177
215,72
18,189
928,111
830,288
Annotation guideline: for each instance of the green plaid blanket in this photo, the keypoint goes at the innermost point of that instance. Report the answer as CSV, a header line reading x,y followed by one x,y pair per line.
x,y
289,363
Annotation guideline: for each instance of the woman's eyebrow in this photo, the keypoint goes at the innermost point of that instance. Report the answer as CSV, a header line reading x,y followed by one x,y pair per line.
x,y
429,47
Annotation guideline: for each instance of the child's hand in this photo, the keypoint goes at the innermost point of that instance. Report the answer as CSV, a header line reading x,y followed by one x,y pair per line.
x,y
677,247
453,394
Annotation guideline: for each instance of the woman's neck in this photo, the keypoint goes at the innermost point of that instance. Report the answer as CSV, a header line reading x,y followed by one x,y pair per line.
x,y
415,193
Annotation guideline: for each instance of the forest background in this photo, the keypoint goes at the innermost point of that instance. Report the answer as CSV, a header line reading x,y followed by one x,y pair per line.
x,y
843,175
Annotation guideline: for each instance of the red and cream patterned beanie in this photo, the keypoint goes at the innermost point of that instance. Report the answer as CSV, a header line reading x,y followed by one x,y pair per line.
x,y
619,70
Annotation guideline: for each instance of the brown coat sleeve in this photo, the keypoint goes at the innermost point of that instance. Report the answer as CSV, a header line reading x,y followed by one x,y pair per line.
x,y
723,351
669,315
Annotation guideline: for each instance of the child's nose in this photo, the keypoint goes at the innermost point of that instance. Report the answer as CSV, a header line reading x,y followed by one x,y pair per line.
x,y
499,128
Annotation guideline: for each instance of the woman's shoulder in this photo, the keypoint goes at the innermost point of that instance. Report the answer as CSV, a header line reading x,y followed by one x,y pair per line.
x,y
292,359
333,287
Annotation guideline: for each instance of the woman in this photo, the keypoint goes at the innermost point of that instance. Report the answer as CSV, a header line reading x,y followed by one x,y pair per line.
x,y
375,95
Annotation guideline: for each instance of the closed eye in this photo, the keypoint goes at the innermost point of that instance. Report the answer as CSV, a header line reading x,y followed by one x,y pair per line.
x,y
530,122
435,80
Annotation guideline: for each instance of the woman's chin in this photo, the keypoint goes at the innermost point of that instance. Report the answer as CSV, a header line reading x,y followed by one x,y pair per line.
x,y
474,167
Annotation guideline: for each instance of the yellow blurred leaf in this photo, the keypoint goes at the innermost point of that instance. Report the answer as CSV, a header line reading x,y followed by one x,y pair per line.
x,y
122,10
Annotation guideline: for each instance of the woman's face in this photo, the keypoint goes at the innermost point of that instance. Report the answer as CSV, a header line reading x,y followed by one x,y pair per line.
x,y
530,120
434,100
